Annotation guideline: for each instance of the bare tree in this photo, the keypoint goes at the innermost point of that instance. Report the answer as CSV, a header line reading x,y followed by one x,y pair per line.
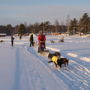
x,y
56,25
68,23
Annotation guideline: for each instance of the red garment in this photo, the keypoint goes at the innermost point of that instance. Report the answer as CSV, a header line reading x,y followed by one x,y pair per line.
x,y
41,38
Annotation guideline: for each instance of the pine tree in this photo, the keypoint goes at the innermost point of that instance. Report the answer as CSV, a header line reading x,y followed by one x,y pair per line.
x,y
73,26
21,29
84,23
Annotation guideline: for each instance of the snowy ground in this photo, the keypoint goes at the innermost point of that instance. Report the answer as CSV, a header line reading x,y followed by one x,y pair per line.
x,y
22,68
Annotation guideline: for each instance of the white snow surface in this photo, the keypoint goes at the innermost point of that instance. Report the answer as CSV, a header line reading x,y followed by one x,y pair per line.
x,y
22,68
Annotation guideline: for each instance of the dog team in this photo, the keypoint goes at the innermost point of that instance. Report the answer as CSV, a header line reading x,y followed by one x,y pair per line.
x,y
57,60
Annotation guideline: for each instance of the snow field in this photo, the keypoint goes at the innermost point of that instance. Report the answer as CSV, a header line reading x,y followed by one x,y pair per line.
x,y
22,68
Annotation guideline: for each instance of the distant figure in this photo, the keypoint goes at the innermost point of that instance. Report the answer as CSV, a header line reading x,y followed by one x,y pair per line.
x,y
20,37
62,39
31,40
12,40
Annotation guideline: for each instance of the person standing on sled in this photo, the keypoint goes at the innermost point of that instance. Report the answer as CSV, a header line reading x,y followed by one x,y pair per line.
x,y
41,40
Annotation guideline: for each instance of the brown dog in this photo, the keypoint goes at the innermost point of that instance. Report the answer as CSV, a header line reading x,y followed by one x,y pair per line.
x,y
61,61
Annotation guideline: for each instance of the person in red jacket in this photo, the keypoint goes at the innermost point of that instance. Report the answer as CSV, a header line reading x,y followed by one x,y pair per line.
x,y
41,40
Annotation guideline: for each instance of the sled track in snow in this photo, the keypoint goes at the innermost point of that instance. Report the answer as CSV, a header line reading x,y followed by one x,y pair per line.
x,y
70,73
64,74
37,75
17,72
45,66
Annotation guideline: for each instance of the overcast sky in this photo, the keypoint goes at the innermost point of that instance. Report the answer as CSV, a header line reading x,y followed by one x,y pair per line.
x,y
31,11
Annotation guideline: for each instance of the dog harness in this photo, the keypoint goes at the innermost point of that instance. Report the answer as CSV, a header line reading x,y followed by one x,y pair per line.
x,y
55,58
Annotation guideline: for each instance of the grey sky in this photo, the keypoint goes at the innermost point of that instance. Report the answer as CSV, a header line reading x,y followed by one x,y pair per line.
x,y
31,11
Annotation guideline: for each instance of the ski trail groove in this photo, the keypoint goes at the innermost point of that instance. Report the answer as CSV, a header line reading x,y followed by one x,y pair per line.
x,y
17,72
40,62
73,79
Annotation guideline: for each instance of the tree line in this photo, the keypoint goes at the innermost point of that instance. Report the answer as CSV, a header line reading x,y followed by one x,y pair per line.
x,y
73,26
79,26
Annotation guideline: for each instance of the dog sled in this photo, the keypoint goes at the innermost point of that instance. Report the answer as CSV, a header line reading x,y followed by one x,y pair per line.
x,y
42,49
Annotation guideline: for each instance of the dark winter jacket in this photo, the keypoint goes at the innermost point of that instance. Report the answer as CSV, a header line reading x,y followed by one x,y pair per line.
x,y
12,38
31,38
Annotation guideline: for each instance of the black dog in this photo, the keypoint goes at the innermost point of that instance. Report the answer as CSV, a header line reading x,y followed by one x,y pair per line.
x,y
61,61
50,55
